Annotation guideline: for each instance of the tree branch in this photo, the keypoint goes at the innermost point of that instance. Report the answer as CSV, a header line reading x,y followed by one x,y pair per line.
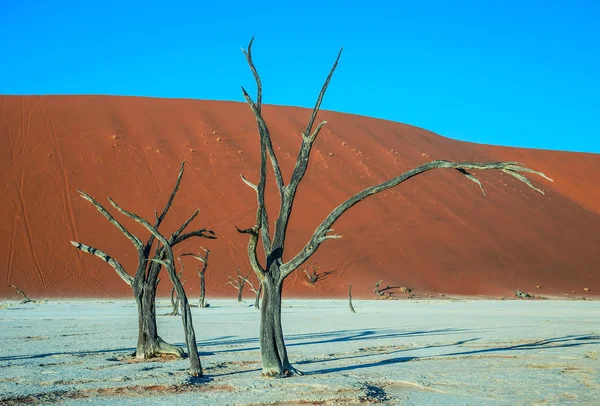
x,y
135,241
320,233
262,125
160,218
308,138
107,258
199,257
246,280
252,255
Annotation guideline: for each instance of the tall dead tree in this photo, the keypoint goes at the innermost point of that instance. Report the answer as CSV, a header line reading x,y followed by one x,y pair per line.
x,y
238,283
315,276
273,272
201,273
256,292
175,299
145,279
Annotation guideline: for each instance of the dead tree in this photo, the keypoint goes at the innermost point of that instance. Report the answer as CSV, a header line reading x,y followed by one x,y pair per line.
x,y
256,292
20,292
238,283
387,290
315,276
273,272
145,279
350,299
201,273
175,300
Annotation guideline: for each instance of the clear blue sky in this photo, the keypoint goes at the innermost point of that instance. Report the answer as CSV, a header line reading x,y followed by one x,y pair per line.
x,y
520,73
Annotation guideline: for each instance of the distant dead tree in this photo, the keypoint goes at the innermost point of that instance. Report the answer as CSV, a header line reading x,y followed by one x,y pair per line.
x,y
175,300
20,292
238,283
314,277
388,290
273,272
350,299
201,272
256,292
145,280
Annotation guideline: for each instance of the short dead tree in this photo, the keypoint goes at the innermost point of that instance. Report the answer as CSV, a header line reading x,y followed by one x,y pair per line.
x,y
145,280
175,300
238,283
313,277
274,270
387,291
350,299
20,292
201,273
256,292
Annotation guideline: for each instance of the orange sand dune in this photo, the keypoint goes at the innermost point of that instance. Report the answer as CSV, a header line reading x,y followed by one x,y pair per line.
x,y
434,233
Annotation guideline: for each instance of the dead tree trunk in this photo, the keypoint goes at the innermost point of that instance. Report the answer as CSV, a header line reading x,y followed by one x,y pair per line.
x,y
201,273
256,292
20,292
175,300
145,280
350,299
238,283
274,270
169,265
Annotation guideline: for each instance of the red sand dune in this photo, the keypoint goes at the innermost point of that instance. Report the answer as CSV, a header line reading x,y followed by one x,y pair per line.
x,y
434,233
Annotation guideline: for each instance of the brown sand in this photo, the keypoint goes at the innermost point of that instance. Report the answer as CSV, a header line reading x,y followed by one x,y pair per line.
x,y
434,233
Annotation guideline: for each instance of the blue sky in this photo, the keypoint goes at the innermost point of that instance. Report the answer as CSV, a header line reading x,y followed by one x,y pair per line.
x,y
520,73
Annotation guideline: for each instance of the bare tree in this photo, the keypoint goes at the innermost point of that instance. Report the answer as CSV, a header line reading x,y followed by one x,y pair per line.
x,y
20,292
238,283
315,276
256,292
387,290
274,270
145,280
350,299
201,273
175,300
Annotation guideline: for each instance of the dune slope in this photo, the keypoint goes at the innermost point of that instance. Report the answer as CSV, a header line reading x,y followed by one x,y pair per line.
x,y
436,233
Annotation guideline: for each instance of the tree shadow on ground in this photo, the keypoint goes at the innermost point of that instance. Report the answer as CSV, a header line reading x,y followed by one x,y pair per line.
x,y
339,336
550,343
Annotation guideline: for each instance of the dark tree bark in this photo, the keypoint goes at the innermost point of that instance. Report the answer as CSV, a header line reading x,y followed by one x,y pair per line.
x,y
238,283
201,272
314,276
20,292
350,299
274,270
175,299
145,280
